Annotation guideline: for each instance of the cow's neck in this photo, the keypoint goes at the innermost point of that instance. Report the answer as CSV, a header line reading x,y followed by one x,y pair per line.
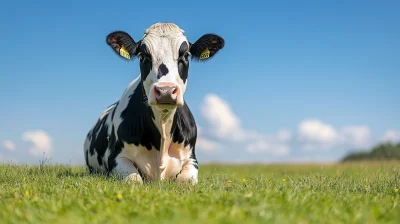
x,y
163,121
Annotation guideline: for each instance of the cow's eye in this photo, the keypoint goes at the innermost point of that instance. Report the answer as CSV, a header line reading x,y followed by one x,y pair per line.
x,y
186,56
143,57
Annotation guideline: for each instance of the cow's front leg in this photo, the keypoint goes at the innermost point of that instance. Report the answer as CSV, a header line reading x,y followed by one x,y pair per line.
x,y
127,171
188,172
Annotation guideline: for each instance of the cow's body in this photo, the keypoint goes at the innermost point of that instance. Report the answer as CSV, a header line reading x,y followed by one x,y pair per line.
x,y
150,132
128,130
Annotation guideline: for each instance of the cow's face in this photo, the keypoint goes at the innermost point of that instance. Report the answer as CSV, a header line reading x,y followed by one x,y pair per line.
x,y
164,55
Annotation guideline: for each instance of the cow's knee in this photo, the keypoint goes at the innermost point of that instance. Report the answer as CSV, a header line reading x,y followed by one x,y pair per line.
x,y
127,171
133,178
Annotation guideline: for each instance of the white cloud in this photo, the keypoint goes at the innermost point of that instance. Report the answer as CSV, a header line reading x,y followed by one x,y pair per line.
x,y
265,146
9,145
315,135
224,126
356,136
207,145
284,135
318,132
391,136
223,123
41,142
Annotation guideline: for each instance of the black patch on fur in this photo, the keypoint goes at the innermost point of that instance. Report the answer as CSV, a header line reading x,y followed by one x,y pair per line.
x,y
213,42
87,162
183,62
146,64
115,151
184,127
183,48
162,71
193,156
143,49
99,142
137,126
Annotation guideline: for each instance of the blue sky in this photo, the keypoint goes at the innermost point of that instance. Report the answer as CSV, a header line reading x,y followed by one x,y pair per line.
x,y
325,75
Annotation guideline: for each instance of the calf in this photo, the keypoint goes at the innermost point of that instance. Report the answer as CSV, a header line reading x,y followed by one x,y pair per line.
x,y
150,133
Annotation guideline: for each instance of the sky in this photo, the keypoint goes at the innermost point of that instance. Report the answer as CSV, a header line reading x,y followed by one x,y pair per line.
x,y
297,81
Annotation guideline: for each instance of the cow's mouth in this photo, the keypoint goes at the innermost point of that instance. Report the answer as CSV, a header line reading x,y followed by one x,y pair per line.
x,y
165,108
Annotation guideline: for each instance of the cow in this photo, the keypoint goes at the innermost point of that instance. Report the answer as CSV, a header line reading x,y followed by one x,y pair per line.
x,y
150,133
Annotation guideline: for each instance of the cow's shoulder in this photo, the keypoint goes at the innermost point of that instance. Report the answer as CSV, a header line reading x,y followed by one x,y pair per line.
x,y
136,120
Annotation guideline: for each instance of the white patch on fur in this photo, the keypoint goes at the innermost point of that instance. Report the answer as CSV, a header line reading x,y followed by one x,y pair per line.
x,y
188,172
146,160
178,155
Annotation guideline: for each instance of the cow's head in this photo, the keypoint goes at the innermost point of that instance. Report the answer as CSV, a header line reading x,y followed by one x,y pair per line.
x,y
164,55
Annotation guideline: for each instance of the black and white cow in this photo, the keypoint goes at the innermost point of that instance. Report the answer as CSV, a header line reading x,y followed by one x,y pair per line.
x,y
150,132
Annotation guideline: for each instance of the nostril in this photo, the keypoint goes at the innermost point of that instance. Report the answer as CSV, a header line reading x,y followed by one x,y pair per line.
x,y
175,91
157,90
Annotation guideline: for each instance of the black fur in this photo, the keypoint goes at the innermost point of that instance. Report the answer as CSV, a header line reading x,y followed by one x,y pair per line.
x,y
183,62
184,127
115,151
146,64
193,156
162,71
137,125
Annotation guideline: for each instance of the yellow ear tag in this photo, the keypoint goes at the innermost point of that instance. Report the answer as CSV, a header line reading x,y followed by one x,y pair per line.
x,y
124,53
205,54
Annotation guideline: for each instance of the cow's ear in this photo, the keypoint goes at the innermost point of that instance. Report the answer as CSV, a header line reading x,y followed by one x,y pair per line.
x,y
123,44
206,47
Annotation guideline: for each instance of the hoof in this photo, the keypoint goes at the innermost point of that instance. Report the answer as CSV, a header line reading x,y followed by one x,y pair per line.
x,y
133,178
186,180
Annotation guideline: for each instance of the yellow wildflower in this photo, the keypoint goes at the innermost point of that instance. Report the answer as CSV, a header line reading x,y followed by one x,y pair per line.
x,y
229,181
396,190
283,179
119,196
244,180
27,193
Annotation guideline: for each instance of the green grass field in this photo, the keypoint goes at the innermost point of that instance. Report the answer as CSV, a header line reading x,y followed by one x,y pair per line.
x,y
345,193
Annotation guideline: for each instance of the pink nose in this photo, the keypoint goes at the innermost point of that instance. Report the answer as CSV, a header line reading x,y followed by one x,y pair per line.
x,y
166,93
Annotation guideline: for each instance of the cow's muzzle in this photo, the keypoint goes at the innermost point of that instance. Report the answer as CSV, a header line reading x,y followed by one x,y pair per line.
x,y
166,95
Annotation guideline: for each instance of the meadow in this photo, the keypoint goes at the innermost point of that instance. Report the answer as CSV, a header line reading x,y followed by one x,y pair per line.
x,y
332,193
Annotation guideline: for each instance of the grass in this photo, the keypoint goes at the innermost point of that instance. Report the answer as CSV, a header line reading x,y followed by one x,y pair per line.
x,y
338,193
